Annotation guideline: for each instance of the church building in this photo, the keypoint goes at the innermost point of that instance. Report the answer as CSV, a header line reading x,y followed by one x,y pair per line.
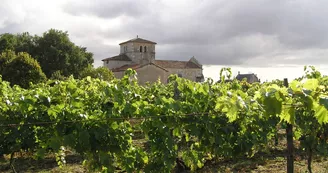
x,y
139,54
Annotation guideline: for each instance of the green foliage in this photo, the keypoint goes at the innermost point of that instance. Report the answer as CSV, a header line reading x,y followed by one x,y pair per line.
x,y
57,75
102,73
53,50
22,70
191,120
56,52
23,42
7,42
5,58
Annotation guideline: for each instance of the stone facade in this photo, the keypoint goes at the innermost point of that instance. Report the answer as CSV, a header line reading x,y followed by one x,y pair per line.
x,y
190,74
250,78
139,54
147,73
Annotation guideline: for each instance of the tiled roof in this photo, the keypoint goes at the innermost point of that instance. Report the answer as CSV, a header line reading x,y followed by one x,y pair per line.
x,y
139,40
176,64
134,67
121,57
125,67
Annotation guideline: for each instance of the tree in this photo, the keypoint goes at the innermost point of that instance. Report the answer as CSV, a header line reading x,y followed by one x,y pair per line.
x,y
23,42
7,42
57,75
53,50
5,58
22,70
56,52
26,43
102,73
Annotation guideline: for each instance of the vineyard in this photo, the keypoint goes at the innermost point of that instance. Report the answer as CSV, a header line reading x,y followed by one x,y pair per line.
x,y
184,124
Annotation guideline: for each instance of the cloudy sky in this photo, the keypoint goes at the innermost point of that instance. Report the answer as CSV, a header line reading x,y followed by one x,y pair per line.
x,y
240,33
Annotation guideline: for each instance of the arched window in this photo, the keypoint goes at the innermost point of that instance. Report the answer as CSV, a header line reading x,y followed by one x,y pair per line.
x,y
145,49
140,48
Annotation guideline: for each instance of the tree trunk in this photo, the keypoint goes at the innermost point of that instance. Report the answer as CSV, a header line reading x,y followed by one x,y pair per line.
x,y
290,147
290,144
309,160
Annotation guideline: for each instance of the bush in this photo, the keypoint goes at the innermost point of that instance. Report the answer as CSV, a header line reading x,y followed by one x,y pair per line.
x,y
57,75
102,73
22,70
5,58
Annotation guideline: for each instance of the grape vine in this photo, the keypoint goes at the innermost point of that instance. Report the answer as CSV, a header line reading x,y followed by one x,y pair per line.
x,y
181,120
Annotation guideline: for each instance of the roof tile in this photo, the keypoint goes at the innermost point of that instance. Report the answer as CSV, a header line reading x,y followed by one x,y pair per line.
x,y
121,57
138,40
176,64
134,67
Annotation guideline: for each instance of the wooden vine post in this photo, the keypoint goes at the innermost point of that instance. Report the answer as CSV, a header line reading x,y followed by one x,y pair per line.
x,y
290,145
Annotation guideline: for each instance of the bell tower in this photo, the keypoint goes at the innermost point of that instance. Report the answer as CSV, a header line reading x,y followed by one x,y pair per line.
x,y
139,50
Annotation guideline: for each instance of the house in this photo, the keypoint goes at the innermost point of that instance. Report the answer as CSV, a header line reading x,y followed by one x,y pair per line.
x,y
139,54
250,78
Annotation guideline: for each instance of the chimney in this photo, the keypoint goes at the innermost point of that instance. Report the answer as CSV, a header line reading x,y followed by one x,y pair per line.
x,y
238,72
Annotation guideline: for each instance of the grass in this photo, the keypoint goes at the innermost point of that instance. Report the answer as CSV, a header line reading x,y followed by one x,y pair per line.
x,y
29,165
273,163
266,163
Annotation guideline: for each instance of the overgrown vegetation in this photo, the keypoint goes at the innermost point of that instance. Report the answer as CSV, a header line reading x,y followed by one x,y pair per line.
x,y
183,125
21,69
53,51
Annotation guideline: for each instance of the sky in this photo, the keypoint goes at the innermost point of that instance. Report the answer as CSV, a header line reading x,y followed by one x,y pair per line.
x,y
271,38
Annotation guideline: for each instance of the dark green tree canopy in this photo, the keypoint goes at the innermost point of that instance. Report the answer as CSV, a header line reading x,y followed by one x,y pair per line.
x,y
5,58
22,42
53,50
56,52
8,42
22,70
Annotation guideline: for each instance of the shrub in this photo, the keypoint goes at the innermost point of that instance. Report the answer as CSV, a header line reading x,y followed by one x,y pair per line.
x,y
5,58
102,73
22,70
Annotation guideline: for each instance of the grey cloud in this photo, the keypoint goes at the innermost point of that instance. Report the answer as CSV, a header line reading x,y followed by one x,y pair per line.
x,y
255,32
106,9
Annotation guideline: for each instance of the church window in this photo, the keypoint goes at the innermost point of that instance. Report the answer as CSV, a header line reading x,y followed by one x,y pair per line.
x,y
140,48
107,62
145,49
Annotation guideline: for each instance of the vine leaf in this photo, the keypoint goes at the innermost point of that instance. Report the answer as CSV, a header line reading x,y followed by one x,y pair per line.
x,y
311,84
295,86
288,114
321,113
114,125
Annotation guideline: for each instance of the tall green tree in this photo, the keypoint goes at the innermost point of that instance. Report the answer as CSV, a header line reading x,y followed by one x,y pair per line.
x,y
26,43
56,52
22,70
22,42
7,42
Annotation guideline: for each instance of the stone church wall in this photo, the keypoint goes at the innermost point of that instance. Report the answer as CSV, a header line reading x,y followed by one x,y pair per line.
x,y
132,50
115,64
190,74
148,73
